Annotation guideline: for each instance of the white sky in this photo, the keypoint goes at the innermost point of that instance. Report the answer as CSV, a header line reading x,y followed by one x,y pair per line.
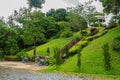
x,y
8,6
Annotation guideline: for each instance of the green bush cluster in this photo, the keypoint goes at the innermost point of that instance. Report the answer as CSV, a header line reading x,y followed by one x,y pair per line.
x,y
85,41
51,61
100,34
79,45
58,56
89,38
116,44
11,58
66,34
22,53
84,33
79,58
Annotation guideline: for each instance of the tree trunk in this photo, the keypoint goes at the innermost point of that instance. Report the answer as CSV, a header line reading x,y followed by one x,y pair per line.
x,y
35,56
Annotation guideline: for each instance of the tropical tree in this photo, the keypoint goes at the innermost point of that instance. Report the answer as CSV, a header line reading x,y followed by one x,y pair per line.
x,y
76,21
8,40
36,3
33,31
112,6
58,14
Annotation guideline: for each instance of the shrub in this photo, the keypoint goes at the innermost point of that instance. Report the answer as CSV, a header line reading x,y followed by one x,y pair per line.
x,y
22,53
48,51
93,31
11,58
67,52
66,33
73,50
79,58
84,33
116,44
51,61
100,34
80,45
107,57
58,56
90,38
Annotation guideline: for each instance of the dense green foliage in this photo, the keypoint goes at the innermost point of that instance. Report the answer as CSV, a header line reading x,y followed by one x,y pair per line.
x,y
107,57
116,44
92,58
79,58
8,40
112,6
57,56
36,3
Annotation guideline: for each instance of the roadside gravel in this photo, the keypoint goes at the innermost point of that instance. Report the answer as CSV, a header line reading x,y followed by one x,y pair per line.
x,y
7,73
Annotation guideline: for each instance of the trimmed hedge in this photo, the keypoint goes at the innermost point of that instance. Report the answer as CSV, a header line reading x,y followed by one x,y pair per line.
x,y
66,34
79,45
89,38
100,34
85,41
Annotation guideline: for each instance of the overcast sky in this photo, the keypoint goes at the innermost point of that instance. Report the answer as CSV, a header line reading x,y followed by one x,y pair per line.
x,y
8,6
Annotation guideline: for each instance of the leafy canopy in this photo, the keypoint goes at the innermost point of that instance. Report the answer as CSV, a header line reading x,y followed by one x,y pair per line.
x,y
36,3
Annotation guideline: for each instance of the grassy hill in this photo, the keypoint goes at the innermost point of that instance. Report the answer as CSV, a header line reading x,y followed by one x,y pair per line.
x,y
59,43
92,59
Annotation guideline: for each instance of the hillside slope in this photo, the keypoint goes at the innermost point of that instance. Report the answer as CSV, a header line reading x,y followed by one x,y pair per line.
x,y
41,50
92,59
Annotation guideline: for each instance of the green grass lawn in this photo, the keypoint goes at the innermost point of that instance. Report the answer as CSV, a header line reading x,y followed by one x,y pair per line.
x,y
41,50
92,59
59,43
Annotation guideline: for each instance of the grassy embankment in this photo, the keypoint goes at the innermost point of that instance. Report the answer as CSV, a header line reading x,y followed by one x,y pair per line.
x,y
92,59
59,43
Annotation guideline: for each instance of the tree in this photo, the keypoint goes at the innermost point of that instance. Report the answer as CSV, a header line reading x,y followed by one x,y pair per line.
x,y
112,6
8,40
76,21
33,31
36,3
86,11
33,24
58,14
50,27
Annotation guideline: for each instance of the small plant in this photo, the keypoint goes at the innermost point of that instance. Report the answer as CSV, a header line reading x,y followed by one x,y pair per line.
x,y
48,51
107,57
84,33
116,44
58,56
80,44
20,54
90,38
67,52
66,33
79,58
51,61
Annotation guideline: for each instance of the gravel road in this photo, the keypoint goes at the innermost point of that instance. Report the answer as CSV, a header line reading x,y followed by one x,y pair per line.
x,y
21,74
